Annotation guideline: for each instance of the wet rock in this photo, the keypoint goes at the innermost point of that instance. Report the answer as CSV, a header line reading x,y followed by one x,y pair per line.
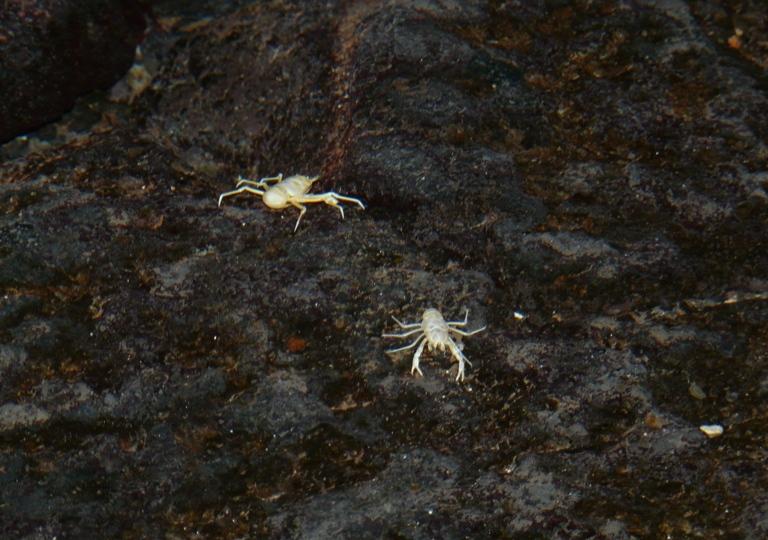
x,y
383,505
571,246
53,51
14,415
281,406
531,493
11,359
585,179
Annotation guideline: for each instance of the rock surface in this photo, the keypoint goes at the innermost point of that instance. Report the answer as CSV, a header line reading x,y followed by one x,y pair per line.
x,y
54,51
589,180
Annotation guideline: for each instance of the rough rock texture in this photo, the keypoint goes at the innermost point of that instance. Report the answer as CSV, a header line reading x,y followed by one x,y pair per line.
x,y
53,51
588,179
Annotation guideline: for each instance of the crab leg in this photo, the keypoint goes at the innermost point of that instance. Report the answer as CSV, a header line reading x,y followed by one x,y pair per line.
x,y
243,189
462,323
302,211
332,198
278,178
408,346
358,202
410,333
404,325
465,334
264,182
415,365
458,355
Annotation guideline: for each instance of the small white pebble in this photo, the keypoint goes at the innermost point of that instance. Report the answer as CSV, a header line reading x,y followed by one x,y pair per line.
x,y
712,430
519,315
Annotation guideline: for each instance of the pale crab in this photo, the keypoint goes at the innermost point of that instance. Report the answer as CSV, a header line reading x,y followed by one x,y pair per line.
x,y
293,191
435,332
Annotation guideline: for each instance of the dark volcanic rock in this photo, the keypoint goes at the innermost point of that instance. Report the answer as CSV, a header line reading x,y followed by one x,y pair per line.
x,y
588,179
53,51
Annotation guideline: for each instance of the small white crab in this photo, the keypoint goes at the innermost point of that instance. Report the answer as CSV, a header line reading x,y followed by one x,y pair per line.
x,y
289,192
435,332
